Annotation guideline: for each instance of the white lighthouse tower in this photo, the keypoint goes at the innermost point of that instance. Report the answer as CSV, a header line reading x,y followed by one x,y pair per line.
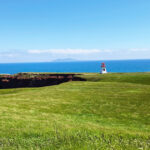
x,y
103,68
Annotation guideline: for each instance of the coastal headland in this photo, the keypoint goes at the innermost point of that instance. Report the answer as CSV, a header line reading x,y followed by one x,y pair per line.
x,y
105,111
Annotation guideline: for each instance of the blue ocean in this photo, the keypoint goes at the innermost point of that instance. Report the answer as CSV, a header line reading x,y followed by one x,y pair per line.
x,y
80,67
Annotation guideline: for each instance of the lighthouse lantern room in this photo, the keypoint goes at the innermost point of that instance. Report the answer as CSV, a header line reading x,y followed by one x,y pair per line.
x,y
103,68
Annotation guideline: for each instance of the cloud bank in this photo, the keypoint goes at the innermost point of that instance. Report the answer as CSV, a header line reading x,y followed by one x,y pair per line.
x,y
67,51
47,55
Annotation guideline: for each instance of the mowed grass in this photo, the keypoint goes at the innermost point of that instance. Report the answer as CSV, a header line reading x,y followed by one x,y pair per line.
x,y
107,112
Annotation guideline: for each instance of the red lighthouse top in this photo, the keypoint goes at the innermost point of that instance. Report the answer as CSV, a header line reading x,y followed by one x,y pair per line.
x,y
103,65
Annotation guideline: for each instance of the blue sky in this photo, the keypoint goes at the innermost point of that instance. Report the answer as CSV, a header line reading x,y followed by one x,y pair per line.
x,y
45,30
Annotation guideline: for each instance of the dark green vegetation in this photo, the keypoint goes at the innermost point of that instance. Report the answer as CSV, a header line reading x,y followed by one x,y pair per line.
x,y
106,112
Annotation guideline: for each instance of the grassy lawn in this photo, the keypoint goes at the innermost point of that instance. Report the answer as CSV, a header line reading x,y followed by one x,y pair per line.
x,y
106,112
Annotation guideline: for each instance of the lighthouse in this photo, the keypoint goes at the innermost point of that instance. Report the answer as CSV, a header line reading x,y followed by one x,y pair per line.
x,y
103,68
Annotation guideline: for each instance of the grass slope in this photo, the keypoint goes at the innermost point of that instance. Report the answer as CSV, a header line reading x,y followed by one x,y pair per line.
x,y
107,112
141,78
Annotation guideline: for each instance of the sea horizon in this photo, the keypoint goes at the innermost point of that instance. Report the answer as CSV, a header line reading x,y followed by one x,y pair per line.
x,y
72,61
118,66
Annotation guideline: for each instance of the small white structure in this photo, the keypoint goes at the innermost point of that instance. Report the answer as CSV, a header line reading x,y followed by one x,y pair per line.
x,y
103,68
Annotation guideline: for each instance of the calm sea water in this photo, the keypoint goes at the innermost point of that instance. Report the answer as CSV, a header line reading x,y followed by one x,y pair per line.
x,y
86,66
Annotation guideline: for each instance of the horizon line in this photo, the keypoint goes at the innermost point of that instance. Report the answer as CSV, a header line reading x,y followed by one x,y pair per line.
x,y
74,61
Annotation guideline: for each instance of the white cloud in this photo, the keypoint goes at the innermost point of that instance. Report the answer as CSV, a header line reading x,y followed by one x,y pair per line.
x,y
67,51
139,49
9,55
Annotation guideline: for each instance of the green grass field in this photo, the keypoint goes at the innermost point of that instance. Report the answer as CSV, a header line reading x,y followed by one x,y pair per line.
x,y
106,112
